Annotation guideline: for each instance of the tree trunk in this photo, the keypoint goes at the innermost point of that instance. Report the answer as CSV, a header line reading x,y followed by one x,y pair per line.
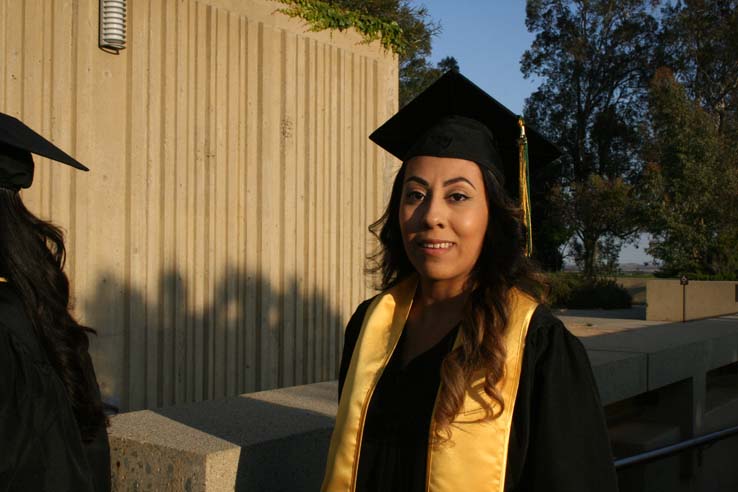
x,y
590,256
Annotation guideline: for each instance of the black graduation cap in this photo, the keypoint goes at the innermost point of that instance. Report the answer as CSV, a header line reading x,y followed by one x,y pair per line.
x,y
455,118
17,143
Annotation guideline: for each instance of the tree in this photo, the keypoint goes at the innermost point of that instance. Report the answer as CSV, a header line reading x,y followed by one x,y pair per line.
x,y
593,57
691,180
448,63
699,43
690,184
549,223
602,215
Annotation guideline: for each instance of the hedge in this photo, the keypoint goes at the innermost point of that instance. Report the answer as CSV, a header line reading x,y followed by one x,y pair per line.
x,y
573,291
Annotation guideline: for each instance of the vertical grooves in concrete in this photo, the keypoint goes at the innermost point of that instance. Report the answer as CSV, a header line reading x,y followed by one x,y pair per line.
x,y
23,49
284,142
71,239
161,192
248,298
259,320
218,244
46,80
207,197
312,181
153,230
241,341
4,68
180,149
130,394
307,196
192,369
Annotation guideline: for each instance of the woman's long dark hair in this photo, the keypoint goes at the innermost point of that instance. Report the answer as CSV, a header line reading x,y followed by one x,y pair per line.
x,y
32,258
502,266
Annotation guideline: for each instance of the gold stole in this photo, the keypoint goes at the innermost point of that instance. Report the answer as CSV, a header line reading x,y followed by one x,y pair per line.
x,y
476,456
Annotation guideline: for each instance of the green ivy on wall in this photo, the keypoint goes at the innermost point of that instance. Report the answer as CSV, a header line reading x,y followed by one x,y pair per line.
x,y
322,15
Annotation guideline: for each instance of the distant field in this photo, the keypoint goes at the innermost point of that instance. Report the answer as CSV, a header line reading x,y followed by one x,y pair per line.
x,y
636,275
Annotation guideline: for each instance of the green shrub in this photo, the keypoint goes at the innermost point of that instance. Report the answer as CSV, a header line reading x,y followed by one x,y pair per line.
x,y
322,15
560,287
603,294
573,291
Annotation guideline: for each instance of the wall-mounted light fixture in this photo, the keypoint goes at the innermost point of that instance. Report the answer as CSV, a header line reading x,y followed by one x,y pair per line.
x,y
112,25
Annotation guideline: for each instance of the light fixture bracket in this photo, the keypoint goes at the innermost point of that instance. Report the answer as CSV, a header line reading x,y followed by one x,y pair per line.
x,y
113,14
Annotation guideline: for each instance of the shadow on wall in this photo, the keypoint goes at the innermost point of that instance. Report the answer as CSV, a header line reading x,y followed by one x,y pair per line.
x,y
189,340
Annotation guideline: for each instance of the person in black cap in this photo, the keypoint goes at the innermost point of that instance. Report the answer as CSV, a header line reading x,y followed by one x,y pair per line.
x,y
52,425
455,377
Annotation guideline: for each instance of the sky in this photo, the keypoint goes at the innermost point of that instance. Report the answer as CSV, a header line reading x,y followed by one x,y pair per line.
x,y
488,38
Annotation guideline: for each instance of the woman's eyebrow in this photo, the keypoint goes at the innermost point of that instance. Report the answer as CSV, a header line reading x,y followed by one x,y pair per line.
x,y
418,180
451,181
448,182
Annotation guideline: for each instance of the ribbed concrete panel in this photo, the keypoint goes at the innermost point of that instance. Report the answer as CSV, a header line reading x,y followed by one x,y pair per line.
x,y
218,244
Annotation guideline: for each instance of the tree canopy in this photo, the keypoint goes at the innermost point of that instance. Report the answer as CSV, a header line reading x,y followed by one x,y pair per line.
x,y
592,56
690,182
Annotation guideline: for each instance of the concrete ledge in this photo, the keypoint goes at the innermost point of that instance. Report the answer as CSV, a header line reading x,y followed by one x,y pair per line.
x,y
153,452
619,375
674,351
273,440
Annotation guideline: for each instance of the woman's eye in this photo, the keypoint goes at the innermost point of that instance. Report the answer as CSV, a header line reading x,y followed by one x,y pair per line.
x,y
458,197
414,195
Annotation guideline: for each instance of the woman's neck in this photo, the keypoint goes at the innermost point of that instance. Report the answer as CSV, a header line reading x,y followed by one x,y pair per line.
x,y
437,308
441,296
432,292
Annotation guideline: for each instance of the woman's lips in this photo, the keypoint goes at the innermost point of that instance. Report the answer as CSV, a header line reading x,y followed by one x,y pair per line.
x,y
434,248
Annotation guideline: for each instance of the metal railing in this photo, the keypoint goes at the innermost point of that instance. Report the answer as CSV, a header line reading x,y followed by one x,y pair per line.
x,y
666,451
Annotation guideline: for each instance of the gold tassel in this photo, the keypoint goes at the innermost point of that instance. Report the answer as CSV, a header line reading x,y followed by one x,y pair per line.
x,y
524,183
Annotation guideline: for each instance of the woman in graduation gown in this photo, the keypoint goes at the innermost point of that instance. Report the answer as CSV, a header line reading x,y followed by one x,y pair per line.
x,y
455,377
52,426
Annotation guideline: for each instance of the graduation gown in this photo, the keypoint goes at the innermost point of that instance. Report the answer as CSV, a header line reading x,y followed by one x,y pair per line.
x,y
40,444
558,437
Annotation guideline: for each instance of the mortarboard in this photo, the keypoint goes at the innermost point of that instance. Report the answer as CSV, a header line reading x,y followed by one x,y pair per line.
x,y
17,143
455,118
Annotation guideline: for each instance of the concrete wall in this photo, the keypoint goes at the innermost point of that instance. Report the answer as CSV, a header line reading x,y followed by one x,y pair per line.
x,y
218,243
703,299
636,287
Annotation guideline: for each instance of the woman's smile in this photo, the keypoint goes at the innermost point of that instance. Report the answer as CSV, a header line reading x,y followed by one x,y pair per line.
x,y
434,247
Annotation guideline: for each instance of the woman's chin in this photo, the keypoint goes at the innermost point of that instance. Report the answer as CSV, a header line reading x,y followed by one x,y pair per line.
x,y
437,275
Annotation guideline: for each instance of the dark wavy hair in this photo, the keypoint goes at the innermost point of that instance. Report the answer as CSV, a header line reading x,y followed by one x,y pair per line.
x,y
32,256
502,265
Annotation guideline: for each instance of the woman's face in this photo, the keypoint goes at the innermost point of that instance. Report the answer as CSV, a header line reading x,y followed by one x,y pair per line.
x,y
443,217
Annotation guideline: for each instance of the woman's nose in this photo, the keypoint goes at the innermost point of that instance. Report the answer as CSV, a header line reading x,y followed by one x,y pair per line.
x,y
434,215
